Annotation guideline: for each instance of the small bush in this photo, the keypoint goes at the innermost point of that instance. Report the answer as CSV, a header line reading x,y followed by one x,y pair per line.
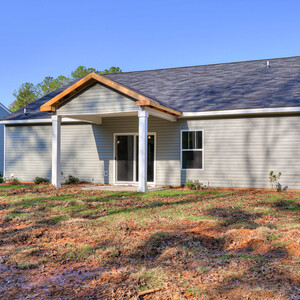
x,y
13,180
1,178
41,180
71,180
194,185
274,181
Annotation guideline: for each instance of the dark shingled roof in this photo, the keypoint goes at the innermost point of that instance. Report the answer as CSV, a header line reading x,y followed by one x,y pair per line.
x,y
239,85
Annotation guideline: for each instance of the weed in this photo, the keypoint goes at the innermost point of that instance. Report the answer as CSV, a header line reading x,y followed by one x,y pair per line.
x,y
194,185
71,180
41,180
13,180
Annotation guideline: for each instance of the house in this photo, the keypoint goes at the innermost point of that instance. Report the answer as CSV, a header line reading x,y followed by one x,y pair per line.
x,y
227,125
3,113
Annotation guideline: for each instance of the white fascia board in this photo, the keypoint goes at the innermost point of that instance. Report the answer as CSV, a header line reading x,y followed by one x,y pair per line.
x,y
160,114
6,109
35,121
188,114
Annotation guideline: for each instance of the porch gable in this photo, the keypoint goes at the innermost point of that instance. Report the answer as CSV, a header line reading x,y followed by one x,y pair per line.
x,y
97,99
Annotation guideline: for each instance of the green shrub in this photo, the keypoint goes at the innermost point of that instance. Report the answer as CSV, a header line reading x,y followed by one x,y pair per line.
x,y
41,180
71,180
13,180
1,178
194,185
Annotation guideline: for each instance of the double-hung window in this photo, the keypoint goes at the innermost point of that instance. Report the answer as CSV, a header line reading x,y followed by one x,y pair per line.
x,y
192,149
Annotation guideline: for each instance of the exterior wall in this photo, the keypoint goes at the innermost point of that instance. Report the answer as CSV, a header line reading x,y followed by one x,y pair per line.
x,y
3,113
238,152
28,151
98,100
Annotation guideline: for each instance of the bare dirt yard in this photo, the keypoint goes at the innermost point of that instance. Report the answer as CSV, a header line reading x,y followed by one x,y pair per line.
x,y
170,244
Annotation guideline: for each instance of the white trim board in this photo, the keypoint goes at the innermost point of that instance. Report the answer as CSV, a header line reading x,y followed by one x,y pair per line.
x,y
36,121
202,150
6,109
189,114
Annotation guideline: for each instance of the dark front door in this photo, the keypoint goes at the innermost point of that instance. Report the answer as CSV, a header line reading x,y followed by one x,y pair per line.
x,y
127,158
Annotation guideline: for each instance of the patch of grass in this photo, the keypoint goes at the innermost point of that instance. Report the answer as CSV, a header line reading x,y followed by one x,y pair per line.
x,y
224,257
107,254
196,291
52,220
252,257
78,253
152,278
27,266
203,269
272,236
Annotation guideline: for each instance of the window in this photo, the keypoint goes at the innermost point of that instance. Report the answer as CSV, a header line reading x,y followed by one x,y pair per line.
x,y
192,149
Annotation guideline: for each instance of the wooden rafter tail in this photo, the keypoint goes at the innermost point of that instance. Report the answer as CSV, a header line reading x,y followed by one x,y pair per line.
x,y
47,108
158,106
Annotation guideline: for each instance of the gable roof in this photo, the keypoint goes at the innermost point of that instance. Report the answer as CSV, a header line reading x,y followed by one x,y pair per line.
x,y
228,86
84,82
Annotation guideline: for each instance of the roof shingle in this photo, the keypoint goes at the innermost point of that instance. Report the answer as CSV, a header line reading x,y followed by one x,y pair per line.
x,y
239,85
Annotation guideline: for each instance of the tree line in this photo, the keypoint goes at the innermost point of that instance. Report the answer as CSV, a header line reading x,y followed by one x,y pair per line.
x,y
29,92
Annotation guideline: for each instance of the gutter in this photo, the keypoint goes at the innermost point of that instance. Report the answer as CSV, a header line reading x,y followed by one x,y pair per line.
x,y
234,112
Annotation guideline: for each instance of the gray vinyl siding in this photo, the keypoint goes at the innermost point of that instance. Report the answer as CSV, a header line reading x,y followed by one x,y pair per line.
x,y
28,152
3,113
241,152
98,100
238,152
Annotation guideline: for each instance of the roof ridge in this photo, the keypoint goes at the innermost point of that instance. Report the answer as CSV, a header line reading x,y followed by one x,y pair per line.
x,y
214,64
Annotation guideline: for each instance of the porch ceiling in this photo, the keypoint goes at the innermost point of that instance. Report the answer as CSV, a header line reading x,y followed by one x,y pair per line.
x,y
97,118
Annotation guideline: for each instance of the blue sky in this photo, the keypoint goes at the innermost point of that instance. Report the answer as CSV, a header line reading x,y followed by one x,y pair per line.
x,y
49,38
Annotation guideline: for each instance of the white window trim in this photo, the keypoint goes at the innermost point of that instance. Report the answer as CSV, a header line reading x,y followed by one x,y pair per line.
x,y
135,134
181,150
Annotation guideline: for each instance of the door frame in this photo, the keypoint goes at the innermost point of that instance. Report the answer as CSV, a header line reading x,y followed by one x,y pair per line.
x,y
134,182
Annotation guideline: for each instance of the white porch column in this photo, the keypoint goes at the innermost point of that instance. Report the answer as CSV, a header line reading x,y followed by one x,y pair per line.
x,y
143,140
56,137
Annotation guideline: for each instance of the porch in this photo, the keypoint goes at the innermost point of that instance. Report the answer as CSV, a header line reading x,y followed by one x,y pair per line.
x,y
94,98
132,146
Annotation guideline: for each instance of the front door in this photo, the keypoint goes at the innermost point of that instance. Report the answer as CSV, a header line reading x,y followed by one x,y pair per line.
x,y
127,157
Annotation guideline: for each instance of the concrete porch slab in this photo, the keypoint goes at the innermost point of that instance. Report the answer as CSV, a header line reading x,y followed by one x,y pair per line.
x,y
118,188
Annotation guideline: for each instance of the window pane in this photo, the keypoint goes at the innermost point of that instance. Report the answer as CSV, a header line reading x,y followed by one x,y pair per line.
x,y
185,136
199,140
188,140
192,159
192,141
